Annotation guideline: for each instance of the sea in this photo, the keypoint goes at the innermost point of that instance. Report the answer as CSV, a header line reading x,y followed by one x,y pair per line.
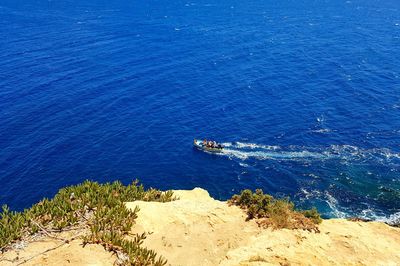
x,y
304,95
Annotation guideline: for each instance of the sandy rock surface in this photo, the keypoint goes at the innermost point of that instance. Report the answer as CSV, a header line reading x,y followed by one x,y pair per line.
x,y
52,251
198,230
195,230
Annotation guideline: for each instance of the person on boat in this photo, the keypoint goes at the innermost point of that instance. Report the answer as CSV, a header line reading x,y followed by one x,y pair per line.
x,y
210,144
214,144
204,142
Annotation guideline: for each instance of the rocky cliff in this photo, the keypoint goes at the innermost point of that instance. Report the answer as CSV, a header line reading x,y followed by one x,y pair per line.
x,y
198,230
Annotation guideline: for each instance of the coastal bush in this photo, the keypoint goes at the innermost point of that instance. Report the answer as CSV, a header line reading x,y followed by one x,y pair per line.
x,y
276,213
99,206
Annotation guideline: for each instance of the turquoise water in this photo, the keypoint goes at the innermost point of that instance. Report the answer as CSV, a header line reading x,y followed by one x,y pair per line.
x,y
305,95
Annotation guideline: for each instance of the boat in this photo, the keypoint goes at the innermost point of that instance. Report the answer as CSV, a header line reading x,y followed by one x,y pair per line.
x,y
199,145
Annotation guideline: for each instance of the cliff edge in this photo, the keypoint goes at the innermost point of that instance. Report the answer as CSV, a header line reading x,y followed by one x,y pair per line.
x,y
198,230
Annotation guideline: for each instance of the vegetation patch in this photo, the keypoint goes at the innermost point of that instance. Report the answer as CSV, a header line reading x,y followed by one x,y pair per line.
x,y
97,206
275,213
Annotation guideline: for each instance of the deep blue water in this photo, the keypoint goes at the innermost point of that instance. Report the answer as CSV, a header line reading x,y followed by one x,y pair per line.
x,y
304,94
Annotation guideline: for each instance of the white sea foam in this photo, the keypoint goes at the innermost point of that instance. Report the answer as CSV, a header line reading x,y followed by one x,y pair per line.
x,y
322,130
393,219
307,194
310,194
313,176
333,204
336,211
243,165
354,153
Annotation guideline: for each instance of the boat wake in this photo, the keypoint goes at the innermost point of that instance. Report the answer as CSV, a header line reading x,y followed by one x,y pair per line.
x,y
345,153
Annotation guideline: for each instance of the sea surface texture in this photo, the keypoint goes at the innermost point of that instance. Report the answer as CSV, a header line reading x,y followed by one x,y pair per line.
x,y
305,95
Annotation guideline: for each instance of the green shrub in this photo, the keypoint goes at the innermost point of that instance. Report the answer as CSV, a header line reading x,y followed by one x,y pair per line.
x,y
101,206
313,214
276,213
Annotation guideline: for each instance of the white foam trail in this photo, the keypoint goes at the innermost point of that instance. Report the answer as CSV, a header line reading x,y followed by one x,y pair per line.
x,y
234,153
263,155
346,153
354,153
227,144
243,151
255,146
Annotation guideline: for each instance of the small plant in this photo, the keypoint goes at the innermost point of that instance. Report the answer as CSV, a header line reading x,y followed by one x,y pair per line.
x,y
276,213
100,206
11,225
